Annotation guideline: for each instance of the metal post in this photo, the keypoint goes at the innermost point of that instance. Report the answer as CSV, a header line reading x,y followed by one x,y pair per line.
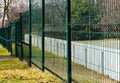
x,y
4,38
29,24
43,40
21,36
10,39
7,38
68,37
15,38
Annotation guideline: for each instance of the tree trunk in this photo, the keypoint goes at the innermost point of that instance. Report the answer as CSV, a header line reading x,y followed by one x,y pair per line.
x,y
4,13
3,19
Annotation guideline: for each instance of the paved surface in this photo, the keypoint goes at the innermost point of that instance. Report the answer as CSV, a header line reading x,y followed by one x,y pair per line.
x,y
6,57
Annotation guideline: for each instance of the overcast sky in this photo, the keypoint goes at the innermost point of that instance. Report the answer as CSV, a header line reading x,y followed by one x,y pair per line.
x,y
16,4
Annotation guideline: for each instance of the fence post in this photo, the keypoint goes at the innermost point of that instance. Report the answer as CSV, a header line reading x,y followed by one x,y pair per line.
x,y
43,40
68,37
29,24
11,38
8,37
15,38
21,36
4,37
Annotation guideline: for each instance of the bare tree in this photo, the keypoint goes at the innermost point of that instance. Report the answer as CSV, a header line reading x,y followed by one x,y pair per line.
x,y
0,11
12,9
6,10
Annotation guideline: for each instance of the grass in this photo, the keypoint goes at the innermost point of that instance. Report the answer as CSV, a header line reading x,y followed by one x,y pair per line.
x,y
79,73
12,64
4,51
55,63
36,51
16,71
13,49
10,72
58,65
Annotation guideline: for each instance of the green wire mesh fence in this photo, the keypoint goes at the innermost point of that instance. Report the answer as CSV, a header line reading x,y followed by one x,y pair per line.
x,y
36,32
25,38
5,37
55,33
95,41
76,40
18,39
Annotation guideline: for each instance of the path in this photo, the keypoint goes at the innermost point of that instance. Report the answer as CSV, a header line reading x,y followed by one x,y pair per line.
x,y
6,57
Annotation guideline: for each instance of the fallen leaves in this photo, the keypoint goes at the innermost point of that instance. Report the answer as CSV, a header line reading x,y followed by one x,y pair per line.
x,y
16,71
25,74
30,74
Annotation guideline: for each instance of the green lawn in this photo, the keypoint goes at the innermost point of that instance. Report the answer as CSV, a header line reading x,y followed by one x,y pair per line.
x,y
4,51
16,71
12,64
36,51
58,64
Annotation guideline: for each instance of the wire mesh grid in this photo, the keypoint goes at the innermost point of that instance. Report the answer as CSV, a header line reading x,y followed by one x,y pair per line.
x,y
95,41
55,38
25,36
36,24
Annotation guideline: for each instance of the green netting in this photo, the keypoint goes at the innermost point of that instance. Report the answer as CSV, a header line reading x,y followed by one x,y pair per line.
x,y
55,38
13,39
5,37
19,52
25,36
26,52
36,24
95,40
18,31
18,39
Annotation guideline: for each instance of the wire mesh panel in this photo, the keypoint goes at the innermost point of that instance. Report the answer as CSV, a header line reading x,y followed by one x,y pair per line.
x,y
55,38
5,40
9,38
2,36
13,39
5,37
25,35
18,39
95,41
36,16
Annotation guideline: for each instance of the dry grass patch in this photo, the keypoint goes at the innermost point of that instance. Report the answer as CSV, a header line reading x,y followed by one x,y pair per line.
x,y
30,75
15,71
